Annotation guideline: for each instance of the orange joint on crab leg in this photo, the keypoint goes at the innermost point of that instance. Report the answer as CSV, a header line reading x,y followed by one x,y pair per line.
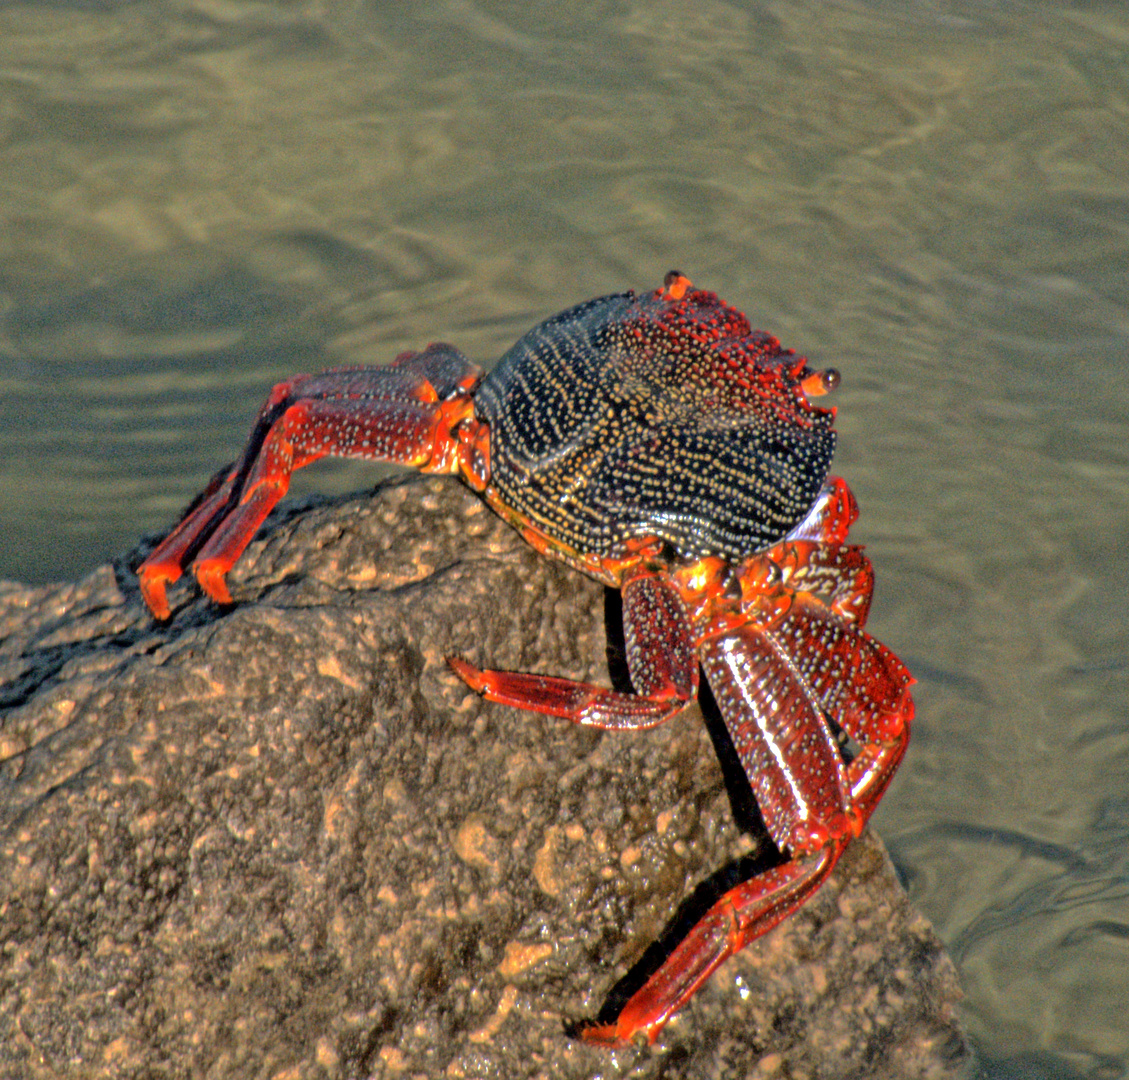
x,y
711,592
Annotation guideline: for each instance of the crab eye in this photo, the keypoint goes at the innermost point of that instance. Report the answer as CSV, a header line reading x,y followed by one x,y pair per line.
x,y
675,285
818,383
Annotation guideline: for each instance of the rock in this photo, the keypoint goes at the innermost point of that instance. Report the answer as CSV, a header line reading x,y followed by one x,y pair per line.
x,y
283,840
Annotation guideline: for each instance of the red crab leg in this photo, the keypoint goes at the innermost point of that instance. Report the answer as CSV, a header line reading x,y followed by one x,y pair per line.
x,y
813,806
404,413
860,683
738,917
660,658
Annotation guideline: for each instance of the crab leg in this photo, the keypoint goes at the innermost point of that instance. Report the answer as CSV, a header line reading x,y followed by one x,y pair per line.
x,y
405,413
746,912
813,804
852,677
740,915
660,658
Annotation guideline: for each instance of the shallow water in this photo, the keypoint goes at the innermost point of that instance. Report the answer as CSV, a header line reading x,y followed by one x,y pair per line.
x,y
200,199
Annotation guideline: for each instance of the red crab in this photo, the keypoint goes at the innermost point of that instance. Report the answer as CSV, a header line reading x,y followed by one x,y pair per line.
x,y
660,445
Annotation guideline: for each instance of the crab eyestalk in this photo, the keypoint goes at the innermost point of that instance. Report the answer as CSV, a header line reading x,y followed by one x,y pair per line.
x,y
823,382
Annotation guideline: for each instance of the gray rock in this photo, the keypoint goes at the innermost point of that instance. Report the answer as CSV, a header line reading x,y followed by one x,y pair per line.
x,y
283,840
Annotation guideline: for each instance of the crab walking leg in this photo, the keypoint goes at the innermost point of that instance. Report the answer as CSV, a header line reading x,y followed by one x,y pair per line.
x,y
405,413
745,912
790,797
855,679
660,658
404,432
802,789
866,689
166,563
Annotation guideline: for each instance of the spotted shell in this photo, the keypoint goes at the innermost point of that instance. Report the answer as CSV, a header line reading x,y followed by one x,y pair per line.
x,y
633,416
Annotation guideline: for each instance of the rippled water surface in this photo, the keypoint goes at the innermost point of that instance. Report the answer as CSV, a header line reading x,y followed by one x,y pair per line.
x,y
202,197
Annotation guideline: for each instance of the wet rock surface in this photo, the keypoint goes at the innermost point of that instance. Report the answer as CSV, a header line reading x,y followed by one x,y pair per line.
x,y
282,840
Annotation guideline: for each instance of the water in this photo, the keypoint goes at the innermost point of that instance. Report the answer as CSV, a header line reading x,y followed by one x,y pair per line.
x,y
202,198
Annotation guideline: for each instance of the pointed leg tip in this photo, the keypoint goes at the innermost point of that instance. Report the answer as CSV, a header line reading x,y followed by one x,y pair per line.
x,y
210,574
467,672
601,1035
615,1036
637,1024
157,604
154,581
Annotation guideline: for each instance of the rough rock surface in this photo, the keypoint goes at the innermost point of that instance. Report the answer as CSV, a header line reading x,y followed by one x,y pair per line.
x,y
282,840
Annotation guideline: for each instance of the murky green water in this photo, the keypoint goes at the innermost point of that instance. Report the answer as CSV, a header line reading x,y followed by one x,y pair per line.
x,y
200,198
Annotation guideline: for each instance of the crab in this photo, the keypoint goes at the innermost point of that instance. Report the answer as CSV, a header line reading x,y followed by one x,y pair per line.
x,y
658,444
